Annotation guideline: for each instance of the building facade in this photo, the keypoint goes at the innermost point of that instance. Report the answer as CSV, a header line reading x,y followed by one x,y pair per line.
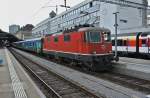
x,y
14,28
23,35
99,14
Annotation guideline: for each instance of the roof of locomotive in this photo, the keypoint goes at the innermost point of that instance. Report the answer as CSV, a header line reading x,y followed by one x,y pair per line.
x,y
94,29
82,29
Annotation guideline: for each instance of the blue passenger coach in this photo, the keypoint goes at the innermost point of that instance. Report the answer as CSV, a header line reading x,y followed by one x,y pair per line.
x,y
34,45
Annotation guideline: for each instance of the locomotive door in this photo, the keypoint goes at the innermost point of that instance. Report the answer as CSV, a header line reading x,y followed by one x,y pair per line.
x,y
148,44
127,44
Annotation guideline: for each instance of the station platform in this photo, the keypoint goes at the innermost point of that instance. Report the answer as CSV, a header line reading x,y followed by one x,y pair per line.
x,y
14,81
88,82
133,67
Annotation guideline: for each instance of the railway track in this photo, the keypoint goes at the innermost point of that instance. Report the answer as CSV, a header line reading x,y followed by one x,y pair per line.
x,y
52,85
126,81
120,79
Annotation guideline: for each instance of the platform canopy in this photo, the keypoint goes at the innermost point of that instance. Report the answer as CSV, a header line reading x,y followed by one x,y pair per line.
x,y
4,36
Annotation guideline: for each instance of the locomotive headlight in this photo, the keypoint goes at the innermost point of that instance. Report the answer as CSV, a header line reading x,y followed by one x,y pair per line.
x,y
110,51
94,52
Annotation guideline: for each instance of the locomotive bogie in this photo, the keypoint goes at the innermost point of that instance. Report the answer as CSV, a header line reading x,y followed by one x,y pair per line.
x,y
93,62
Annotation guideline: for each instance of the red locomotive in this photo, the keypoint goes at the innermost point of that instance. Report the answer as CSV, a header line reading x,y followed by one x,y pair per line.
x,y
89,46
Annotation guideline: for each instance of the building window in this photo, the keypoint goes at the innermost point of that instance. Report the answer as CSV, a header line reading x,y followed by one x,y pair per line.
x,y
66,38
91,4
94,3
55,39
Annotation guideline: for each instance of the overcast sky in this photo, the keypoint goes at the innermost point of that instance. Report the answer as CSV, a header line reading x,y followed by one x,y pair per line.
x,y
28,11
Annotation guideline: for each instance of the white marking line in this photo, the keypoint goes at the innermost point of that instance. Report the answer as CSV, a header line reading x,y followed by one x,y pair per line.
x,y
17,86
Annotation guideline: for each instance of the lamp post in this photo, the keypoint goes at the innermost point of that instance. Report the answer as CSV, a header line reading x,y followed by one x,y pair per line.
x,y
116,29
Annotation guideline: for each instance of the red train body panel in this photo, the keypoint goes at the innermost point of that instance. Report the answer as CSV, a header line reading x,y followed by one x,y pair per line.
x,y
76,44
91,46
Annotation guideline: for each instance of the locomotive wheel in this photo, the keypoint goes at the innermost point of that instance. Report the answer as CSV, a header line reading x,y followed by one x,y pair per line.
x,y
92,67
117,59
73,63
88,66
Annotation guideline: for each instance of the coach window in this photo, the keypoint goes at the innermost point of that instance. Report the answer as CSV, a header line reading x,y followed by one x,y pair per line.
x,y
66,38
120,42
55,39
113,42
91,4
144,43
125,43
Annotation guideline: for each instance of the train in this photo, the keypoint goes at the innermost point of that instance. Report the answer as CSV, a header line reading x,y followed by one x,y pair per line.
x,y
133,44
91,47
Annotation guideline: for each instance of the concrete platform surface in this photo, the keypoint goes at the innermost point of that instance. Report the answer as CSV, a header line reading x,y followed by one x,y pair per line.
x,y
134,60
134,67
14,81
91,83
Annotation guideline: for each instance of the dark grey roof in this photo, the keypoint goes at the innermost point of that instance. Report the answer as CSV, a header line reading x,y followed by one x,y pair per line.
x,y
8,36
100,29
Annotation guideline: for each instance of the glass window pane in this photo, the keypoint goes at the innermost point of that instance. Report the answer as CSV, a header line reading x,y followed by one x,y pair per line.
x,y
107,36
94,36
55,39
67,38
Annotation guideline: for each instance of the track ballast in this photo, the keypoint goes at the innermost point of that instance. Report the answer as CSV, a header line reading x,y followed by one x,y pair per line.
x,y
52,85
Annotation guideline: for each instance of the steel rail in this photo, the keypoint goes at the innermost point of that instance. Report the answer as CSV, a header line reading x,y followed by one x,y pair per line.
x,y
55,94
58,96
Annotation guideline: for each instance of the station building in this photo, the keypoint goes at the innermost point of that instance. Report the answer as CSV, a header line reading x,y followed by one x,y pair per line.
x,y
100,14
13,28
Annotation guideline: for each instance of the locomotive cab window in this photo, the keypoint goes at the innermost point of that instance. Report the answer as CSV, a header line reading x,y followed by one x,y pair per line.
x,y
107,36
93,37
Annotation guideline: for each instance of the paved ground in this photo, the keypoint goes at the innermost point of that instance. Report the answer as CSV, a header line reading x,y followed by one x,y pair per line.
x,y
134,60
14,81
99,86
5,81
134,67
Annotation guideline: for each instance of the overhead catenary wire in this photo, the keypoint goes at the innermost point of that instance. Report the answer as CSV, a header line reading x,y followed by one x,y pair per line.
x,y
41,8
